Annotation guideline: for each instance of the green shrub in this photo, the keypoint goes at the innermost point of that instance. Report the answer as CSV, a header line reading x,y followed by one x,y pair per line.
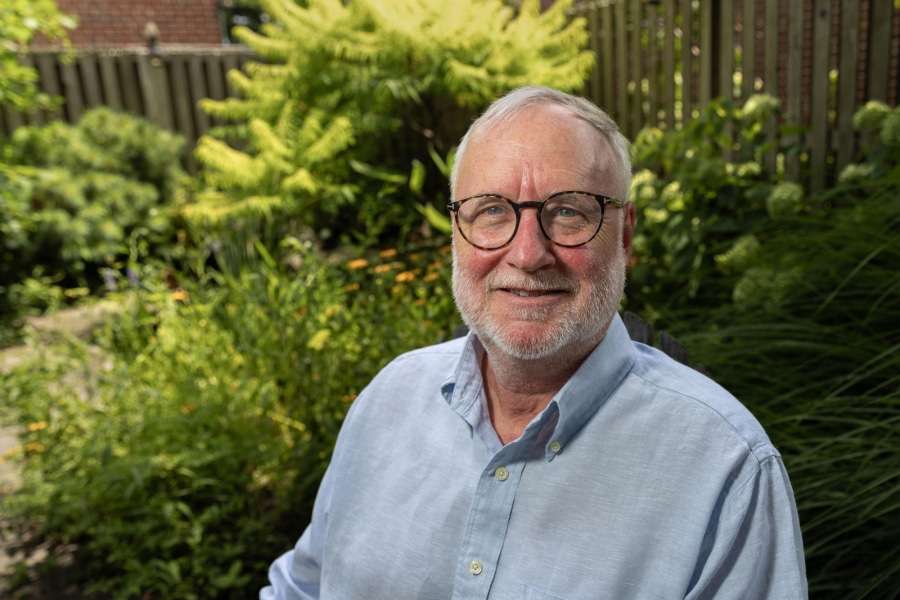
x,y
352,95
20,20
78,199
190,460
811,342
697,207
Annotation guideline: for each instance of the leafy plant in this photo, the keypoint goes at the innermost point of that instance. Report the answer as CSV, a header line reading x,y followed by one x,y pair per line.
x,y
186,456
348,95
78,199
20,21
810,343
700,193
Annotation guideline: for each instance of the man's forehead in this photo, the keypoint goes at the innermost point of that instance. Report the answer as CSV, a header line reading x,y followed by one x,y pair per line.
x,y
557,142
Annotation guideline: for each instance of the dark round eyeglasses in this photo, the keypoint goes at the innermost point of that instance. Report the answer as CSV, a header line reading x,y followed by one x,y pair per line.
x,y
569,219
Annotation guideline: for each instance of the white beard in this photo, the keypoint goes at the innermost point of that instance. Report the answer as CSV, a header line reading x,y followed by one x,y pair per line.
x,y
568,334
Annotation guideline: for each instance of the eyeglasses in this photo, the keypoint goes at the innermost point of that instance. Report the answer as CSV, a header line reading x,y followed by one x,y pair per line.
x,y
568,219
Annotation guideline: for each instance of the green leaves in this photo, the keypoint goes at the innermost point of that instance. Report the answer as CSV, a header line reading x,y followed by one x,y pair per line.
x,y
20,21
211,415
694,204
371,83
809,341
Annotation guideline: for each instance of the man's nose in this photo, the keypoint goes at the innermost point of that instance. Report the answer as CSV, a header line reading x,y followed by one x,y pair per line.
x,y
530,249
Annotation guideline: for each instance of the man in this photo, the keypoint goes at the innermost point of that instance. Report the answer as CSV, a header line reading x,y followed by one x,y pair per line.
x,y
546,456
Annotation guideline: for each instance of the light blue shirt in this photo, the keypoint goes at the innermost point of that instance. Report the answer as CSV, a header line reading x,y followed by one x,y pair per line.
x,y
641,479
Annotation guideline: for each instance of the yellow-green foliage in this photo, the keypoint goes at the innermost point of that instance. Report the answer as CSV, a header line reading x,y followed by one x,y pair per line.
x,y
338,80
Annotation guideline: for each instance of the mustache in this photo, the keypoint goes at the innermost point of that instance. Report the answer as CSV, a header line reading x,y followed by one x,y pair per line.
x,y
544,281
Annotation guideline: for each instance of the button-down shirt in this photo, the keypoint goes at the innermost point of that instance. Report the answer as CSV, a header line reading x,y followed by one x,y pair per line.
x,y
641,479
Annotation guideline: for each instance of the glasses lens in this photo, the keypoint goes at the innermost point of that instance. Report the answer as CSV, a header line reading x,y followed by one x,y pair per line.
x,y
572,219
487,221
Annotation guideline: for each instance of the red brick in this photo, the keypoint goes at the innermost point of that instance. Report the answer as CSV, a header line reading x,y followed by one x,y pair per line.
x,y
115,23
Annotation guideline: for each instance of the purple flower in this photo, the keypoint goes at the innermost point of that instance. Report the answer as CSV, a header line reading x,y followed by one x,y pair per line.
x,y
133,277
109,280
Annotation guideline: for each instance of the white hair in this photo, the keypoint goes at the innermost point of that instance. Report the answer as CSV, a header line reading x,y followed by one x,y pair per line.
x,y
505,109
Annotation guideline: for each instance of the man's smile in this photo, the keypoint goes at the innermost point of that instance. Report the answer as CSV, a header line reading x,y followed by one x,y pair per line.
x,y
531,293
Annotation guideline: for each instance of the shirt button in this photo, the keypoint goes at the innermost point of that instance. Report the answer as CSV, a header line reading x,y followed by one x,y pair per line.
x,y
475,567
501,474
555,446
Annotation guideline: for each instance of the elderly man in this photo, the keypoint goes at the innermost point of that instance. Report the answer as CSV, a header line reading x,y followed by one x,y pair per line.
x,y
546,455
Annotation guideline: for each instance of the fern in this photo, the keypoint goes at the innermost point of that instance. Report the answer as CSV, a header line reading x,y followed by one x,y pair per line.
x,y
342,82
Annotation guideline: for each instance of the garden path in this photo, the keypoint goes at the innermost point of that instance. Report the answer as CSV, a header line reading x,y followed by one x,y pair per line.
x,y
21,557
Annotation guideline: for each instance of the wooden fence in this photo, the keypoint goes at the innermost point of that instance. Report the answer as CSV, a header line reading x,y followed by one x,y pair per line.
x,y
163,88
659,62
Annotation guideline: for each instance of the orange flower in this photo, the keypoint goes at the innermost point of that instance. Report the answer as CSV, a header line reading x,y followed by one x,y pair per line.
x,y
180,295
358,263
383,268
431,277
37,426
405,277
388,253
351,288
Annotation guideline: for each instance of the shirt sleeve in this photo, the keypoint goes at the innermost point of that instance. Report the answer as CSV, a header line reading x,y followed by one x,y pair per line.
x,y
753,550
296,575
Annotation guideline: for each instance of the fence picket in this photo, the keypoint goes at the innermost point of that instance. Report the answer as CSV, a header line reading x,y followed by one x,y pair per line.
x,y
724,49
72,91
131,86
669,64
197,78
707,52
847,85
110,82
817,139
620,111
687,61
636,81
608,73
748,49
881,14
794,82
90,81
594,45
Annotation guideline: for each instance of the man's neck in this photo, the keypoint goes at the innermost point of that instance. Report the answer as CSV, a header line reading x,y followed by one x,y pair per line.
x,y
517,390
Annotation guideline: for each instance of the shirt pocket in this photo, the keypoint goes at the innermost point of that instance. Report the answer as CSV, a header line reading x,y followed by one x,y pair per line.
x,y
531,593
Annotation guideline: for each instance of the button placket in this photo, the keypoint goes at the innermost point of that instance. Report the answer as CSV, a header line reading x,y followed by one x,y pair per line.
x,y
486,527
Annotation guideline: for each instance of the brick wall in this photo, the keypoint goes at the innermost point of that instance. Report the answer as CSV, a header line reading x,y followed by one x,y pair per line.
x,y
120,23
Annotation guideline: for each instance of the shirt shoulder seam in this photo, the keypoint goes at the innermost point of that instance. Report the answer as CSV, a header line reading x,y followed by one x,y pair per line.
x,y
769,450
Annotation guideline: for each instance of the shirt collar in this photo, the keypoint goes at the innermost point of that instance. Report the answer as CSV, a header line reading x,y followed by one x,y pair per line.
x,y
594,381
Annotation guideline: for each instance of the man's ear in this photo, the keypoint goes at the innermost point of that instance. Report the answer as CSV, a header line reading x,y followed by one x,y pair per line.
x,y
628,221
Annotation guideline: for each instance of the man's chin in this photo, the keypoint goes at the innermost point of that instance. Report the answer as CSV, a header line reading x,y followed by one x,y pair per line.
x,y
526,341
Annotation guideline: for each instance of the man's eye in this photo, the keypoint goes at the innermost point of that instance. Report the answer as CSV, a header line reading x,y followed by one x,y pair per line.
x,y
566,212
492,209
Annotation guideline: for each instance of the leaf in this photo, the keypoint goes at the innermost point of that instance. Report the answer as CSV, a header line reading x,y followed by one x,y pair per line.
x,y
436,219
317,341
376,173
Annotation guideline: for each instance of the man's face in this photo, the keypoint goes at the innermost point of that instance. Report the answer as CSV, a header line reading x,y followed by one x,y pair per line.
x,y
533,299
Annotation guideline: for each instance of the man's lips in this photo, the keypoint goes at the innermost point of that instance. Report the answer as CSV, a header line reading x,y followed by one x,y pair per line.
x,y
526,293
